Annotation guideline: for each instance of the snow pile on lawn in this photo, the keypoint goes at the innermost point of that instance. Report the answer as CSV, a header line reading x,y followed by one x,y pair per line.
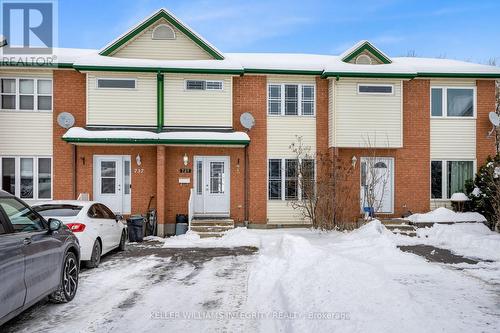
x,y
468,239
443,214
306,281
231,238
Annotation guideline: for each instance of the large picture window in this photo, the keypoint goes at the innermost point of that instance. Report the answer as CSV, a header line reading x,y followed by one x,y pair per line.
x,y
25,94
283,178
291,99
453,102
448,177
27,177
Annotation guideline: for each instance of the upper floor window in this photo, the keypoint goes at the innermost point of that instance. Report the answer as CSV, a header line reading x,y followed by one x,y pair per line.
x,y
116,83
163,31
26,94
453,102
384,89
291,99
204,85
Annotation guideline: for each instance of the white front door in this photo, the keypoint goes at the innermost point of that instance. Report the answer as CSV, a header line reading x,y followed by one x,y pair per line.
x,y
377,181
211,185
112,182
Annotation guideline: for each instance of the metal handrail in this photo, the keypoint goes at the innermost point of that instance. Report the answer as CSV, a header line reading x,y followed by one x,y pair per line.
x,y
190,207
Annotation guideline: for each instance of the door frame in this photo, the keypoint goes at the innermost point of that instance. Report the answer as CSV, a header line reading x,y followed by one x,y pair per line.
x,y
126,200
392,171
227,162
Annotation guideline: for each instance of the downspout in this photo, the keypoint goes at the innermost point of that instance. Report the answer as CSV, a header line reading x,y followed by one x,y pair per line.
x,y
75,167
160,87
246,185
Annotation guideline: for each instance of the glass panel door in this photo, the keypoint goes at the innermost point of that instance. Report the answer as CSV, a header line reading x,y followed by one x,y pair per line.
x,y
108,177
216,177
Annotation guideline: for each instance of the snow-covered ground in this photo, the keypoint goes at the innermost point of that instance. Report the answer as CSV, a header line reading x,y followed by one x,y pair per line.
x,y
299,281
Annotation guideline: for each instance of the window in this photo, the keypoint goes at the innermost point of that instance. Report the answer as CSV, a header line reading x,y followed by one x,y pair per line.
x,y
453,102
27,177
284,182
204,85
22,218
163,32
274,99
382,89
274,179
448,177
116,83
58,210
26,94
290,99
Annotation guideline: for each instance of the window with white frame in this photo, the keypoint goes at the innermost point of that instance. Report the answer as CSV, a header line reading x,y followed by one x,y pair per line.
x,y
116,83
453,102
376,89
283,178
449,176
291,99
25,94
27,177
204,85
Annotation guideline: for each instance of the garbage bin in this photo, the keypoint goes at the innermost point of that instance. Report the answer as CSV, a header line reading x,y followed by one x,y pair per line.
x,y
135,228
181,228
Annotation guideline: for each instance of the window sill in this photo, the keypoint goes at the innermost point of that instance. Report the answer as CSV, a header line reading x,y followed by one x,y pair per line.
x,y
25,111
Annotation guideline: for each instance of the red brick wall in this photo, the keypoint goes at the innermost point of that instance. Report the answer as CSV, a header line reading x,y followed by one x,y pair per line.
x,y
412,162
250,95
485,104
177,195
321,122
69,96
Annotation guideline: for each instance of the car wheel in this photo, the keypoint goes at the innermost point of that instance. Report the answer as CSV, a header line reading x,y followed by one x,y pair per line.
x,y
69,280
123,239
95,258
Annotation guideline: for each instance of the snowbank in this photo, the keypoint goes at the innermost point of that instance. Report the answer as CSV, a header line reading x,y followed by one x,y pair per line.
x,y
231,238
468,239
443,214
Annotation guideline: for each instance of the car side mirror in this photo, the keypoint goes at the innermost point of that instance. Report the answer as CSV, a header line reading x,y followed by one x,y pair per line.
x,y
54,225
118,217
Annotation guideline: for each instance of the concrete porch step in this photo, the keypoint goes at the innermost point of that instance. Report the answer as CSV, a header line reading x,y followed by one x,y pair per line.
x,y
400,226
211,227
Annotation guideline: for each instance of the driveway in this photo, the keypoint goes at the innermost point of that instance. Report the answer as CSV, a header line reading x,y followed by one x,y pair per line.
x,y
150,288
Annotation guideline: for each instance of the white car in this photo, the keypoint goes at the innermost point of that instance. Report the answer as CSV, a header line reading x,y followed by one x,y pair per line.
x,y
97,228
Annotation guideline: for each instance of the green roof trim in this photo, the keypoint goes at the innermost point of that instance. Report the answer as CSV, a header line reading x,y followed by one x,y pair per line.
x,y
282,71
461,75
157,142
370,75
162,14
159,69
367,47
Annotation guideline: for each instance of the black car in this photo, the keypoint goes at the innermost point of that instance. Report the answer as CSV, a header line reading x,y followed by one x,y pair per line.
x,y
38,258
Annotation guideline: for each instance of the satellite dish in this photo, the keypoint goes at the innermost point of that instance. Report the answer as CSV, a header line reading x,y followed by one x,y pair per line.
x,y
247,120
495,120
65,120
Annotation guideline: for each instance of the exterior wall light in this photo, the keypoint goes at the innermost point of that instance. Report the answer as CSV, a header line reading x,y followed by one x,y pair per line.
x,y
353,161
138,160
185,159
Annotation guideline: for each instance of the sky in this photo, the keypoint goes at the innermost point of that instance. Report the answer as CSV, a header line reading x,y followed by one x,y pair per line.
x,y
465,30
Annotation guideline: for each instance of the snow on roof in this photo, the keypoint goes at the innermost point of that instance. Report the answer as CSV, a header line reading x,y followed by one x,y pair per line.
x,y
59,55
106,61
82,134
282,61
167,12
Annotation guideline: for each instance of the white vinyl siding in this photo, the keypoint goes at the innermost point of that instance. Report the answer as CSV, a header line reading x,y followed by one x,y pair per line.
x,y
453,138
144,47
115,106
359,118
282,132
211,108
280,212
25,133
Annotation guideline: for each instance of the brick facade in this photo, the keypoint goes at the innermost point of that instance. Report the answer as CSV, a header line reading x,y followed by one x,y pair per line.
x,y
485,145
69,90
250,95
